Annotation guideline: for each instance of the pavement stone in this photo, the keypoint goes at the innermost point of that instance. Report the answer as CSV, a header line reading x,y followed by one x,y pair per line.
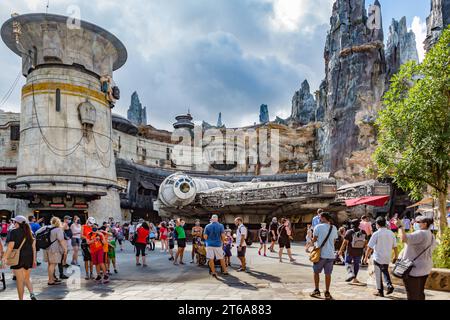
x,y
267,279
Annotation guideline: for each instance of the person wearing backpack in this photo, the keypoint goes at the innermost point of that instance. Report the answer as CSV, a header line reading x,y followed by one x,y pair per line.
x,y
355,240
55,247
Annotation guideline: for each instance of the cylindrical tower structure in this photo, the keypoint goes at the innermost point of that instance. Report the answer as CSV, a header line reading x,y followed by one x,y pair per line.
x,y
66,161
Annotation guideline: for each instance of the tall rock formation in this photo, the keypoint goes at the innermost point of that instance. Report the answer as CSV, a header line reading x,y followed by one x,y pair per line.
x,y
303,105
219,121
355,73
263,114
437,21
401,46
136,114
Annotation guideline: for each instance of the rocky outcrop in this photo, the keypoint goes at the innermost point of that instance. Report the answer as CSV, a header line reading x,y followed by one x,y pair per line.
x,y
263,114
401,46
355,73
136,114
303,105
437,21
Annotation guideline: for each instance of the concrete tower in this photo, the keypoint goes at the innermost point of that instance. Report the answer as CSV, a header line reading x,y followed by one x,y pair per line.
x,y
66,162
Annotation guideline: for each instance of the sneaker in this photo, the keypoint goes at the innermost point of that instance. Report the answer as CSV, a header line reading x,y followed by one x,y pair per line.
x,y
241,270
181,262
32,296
379,293
328,296
225,273
99,278
315,293
349,278
389,290
63,276
192,261
292,260
105,279
171,259
115,271
66,265
138,264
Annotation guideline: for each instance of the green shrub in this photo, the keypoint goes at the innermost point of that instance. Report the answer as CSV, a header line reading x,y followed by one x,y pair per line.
x,y
441,255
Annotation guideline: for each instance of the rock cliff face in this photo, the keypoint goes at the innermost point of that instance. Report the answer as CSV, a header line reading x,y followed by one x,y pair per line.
x,y
437,21
401,46
355,73
263,114
303,105
136,114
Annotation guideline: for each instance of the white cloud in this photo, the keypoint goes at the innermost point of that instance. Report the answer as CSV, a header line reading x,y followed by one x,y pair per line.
x,y
420,30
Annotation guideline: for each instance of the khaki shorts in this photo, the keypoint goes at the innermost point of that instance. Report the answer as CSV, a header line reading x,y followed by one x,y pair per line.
x,y
214,253
52,257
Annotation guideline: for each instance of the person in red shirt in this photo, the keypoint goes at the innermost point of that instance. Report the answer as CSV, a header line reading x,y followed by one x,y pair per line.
x,y
163,231
141,242
96,240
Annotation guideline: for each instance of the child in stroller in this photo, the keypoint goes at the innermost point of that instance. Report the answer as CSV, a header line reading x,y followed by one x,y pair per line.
x,y
200,251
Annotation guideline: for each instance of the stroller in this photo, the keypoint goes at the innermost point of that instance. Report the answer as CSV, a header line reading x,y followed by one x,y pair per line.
x,y
200,252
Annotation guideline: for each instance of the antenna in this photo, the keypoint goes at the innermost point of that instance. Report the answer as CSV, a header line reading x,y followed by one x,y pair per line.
x,y
48,4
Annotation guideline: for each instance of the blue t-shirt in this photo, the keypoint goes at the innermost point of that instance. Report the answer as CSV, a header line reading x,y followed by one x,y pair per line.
x,y
214,232
321,231
315,221
34,227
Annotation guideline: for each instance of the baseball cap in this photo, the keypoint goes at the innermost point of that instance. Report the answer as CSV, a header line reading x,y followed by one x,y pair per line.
x,y
20,219
91,220
67,218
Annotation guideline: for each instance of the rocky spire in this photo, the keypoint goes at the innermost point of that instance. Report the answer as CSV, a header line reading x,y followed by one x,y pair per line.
x,y
437,21
219,120
355,73
263,114
303,105
136,114
401,46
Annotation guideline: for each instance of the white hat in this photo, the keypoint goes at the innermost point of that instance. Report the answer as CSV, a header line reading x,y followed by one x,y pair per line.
x,y
20,219
91,220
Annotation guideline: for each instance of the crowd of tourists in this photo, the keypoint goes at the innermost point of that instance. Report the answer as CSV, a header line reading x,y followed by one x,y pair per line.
x,y
359,242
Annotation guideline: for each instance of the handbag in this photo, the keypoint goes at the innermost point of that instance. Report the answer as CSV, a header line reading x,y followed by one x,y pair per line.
x,y
314,255
13,258
403,267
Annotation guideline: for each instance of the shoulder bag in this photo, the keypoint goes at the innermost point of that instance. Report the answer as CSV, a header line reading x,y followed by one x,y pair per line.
x,y
13,258
403,266
314,255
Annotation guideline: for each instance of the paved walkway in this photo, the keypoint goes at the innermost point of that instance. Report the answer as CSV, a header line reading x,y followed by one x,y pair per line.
x,y
267,279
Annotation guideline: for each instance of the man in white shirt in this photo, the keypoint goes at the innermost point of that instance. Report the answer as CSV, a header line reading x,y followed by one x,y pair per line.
x,y
382,242
241,235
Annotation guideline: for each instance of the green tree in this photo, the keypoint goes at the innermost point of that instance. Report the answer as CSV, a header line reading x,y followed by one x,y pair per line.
x,y
414,127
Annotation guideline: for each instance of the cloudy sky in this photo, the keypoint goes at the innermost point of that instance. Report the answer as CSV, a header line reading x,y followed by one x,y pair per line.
x,y
209,55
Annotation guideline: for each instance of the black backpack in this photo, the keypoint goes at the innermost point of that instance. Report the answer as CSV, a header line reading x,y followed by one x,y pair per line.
x,y
43,238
